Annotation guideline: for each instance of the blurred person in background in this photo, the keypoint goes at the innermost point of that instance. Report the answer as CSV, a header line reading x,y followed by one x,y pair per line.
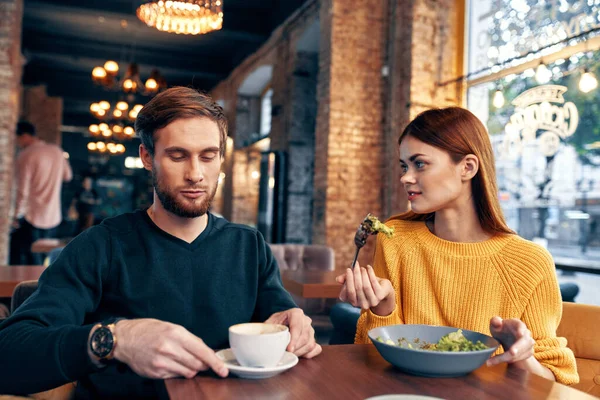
x,y
84,205
41,168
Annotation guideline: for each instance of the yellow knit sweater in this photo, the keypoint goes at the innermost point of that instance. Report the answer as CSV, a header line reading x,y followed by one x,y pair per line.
x,y
464,285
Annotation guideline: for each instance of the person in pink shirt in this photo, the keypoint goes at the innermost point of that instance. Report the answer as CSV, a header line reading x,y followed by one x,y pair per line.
x,y
41,169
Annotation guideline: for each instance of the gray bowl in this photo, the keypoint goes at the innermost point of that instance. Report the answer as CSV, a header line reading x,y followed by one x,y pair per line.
x,y
430,363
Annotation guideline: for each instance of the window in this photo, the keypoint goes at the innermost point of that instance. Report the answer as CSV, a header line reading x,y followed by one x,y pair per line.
x,y
542,113
265,113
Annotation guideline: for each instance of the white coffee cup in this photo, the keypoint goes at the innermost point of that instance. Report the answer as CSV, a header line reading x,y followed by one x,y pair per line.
x,y
258,344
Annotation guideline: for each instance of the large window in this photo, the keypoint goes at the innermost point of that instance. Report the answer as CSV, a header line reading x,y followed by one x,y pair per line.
x,y
265,113
532,67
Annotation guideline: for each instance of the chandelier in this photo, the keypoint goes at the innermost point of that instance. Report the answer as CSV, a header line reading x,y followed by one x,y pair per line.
x,y
115,126
188,17
109,148
106,138
131,82
104,110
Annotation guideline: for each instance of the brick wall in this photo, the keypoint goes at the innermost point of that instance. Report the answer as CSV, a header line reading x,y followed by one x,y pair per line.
x,y
427,30
377,66
240,193
245,162
247,120
349,162
434,55
44,112
11,15
301,147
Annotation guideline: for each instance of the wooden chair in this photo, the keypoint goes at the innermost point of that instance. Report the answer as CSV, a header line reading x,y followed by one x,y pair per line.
x,y
22,291
579,325
307,257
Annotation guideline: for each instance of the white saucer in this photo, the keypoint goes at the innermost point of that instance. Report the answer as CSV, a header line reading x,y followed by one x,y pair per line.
x,y
287,361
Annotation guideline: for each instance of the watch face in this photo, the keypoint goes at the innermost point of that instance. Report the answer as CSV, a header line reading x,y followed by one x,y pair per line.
x,y
102,342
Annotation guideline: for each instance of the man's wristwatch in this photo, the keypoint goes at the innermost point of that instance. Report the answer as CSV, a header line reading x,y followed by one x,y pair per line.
x,y
103,341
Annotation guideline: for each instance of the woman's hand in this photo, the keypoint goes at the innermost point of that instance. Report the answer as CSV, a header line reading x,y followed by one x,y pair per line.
x,y
515,338
518,345
363,289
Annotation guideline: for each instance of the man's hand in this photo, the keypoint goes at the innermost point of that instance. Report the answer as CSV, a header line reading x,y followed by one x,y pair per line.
x,y
161,350
302,334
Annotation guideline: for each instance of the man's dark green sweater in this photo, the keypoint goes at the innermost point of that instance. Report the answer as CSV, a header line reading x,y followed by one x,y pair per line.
x,y
128,267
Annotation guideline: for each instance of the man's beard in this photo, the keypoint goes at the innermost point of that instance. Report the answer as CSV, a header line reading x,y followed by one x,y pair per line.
x,y
170,203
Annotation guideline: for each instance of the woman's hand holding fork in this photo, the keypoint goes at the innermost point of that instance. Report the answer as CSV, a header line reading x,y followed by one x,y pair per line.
x,y
365,290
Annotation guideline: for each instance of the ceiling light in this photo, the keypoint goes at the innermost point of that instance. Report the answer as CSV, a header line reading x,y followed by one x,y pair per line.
x,y
543,74
111,67
188,17
588,81
131,82
498,100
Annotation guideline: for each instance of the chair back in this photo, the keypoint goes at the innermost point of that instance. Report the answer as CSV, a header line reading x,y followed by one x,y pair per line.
x,y
21,292
579,325
65,392
303,257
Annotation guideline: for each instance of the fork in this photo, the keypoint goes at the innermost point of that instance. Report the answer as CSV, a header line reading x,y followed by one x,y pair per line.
x,y
360,237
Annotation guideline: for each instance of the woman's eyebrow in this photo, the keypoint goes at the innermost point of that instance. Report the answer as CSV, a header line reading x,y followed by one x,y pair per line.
x,y
412,158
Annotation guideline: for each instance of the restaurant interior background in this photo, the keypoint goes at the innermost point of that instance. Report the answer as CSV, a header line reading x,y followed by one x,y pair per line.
x,y
317,93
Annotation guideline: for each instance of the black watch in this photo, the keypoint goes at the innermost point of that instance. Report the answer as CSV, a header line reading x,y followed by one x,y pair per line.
x,y
104,341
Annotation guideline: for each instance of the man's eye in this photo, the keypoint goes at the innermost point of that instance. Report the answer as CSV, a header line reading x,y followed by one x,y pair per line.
x,y
175,157
208,158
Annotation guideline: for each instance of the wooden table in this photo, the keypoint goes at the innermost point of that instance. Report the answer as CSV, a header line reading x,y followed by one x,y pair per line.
x,y
358,372
311,284
47,245
12,275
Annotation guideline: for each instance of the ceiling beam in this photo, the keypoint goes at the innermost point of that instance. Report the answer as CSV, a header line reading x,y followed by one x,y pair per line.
x,y
87,64
34,42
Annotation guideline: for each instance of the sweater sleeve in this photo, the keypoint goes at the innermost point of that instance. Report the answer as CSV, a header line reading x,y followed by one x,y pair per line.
x,y
44,342
272,296
368,320
542,316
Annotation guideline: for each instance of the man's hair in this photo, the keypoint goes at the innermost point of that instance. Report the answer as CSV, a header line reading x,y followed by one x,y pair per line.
x,y
24,128
177,103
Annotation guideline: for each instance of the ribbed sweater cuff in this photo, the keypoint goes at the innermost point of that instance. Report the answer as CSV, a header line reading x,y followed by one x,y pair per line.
x,y
375,321
566,376
74,359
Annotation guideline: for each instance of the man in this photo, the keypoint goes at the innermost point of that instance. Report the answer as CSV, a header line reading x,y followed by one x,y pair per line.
x,y
177,274
41,169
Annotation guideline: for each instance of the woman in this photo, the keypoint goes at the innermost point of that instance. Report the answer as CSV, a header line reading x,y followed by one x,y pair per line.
x,y
453,261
